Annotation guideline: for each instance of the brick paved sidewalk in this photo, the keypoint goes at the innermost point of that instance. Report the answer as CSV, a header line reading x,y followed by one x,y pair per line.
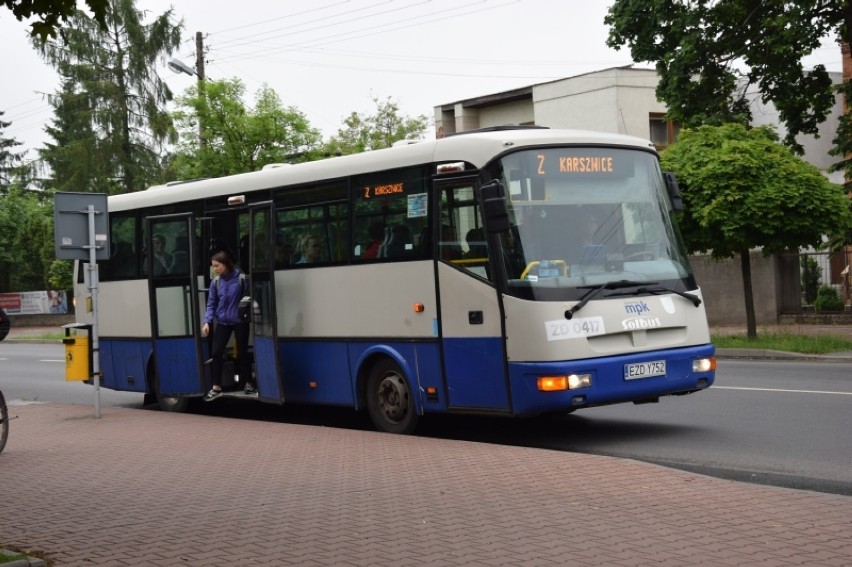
x,y
142,487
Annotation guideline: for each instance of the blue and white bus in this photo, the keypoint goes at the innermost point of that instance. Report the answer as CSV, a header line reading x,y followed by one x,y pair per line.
x,y
509,271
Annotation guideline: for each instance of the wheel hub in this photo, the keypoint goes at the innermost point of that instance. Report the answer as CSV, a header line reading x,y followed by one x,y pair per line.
x,y
393,397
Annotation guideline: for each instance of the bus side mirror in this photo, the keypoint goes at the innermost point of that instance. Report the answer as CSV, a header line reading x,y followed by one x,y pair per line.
x,y
674,191
495,207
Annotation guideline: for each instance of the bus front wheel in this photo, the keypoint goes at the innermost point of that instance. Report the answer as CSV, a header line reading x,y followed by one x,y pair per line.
x,y
389,399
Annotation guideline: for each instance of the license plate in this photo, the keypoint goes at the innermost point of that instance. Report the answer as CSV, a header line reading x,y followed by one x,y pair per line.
x,y
644,369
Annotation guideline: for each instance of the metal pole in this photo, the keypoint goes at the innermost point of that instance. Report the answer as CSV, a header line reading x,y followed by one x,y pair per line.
x,y
93,289
199,72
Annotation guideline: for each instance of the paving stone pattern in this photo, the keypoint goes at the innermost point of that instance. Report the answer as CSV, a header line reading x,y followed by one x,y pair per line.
x,y
143,487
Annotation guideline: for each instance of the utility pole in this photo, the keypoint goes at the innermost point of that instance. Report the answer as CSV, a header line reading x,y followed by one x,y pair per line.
x,y
199,72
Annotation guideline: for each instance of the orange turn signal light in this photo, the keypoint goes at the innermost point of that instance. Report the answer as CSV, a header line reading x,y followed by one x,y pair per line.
x,y
419,308
552,383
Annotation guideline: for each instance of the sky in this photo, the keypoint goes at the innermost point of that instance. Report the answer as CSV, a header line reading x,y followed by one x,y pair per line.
x,y
329,58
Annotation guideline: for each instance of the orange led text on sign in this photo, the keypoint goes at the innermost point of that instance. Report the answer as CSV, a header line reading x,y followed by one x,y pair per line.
x,y
580,164
380,190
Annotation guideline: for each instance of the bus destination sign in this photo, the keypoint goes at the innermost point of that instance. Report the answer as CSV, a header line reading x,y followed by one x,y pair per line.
x,y
575,164
384,190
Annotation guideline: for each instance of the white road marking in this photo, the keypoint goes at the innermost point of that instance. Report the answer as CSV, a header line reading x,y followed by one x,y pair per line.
x,y
780,390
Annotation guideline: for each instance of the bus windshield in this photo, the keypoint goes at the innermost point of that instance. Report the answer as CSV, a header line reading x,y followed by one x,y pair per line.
x,y
585,216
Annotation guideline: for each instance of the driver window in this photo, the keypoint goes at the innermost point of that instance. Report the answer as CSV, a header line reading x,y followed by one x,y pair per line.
x,y
463,241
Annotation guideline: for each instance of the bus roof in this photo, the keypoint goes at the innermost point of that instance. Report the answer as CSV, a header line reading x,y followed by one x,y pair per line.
x,y
477,148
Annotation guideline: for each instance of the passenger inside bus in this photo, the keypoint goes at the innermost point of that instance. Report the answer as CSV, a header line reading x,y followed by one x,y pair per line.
x,y
376,233
476,247
513,256
312,251
162,259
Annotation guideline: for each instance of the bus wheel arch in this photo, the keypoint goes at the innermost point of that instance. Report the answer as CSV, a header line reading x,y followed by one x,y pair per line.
x,y
176,404
389,396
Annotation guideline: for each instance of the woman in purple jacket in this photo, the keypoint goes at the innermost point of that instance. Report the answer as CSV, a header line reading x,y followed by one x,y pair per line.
x,y
226,290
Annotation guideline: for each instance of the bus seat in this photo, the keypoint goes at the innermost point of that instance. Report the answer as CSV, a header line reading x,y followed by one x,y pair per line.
x,y
383,247
400,237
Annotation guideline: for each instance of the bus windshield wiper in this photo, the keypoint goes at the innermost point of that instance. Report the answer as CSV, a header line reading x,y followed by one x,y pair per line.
x,y
594,290
696,301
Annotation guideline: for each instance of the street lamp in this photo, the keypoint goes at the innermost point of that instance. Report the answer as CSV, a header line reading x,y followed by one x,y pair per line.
x,y
179,66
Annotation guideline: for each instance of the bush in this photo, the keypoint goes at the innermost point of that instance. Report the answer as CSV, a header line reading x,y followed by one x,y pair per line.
x,y
810,279
827,300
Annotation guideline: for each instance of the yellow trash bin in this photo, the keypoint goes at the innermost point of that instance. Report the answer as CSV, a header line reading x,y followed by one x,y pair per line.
x,y
78,357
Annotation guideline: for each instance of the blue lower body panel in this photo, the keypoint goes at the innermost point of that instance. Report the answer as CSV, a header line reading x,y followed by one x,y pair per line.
x,y
609,385
123,363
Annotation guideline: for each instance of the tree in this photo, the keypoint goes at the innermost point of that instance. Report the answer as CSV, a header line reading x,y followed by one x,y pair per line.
x,y
72,162
742,189
26,231
364,132
113,67
708,53
237,139
9,159
50,13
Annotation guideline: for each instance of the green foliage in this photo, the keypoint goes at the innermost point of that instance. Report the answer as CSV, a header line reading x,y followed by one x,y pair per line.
x,y
52,15
73,162
237,139
26,230
375,131
109,78
708,53
810,279
827,300
743,190
60,274
9,160
843,149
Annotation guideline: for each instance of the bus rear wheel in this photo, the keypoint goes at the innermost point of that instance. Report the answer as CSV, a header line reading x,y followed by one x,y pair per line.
x,y
389,399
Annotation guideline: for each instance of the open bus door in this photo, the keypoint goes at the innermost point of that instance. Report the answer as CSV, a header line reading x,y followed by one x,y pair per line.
x,y
176,306
262,231
471,321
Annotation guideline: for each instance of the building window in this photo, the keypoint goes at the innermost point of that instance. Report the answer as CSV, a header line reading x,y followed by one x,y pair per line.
x,y
663,132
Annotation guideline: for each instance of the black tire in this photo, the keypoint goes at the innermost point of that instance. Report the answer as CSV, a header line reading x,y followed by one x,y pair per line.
x,y
4,422
389,399
176,404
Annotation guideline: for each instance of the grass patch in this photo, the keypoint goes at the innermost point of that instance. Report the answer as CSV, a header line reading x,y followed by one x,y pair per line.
x,y
58,336
9,556
788,342
10,553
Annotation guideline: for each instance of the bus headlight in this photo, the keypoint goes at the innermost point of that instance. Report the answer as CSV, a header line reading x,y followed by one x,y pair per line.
x,y
561,383
704,364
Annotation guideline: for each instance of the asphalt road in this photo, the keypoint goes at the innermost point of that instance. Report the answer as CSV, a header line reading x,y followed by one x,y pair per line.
x,y
781,423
